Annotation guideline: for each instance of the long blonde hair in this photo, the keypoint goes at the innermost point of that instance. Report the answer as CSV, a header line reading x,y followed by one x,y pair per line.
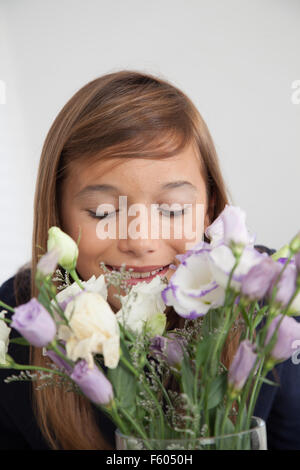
x,y
122,114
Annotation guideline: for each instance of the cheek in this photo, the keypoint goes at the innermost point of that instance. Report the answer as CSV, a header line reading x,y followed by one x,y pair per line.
x,y
91,248
191,231
91,252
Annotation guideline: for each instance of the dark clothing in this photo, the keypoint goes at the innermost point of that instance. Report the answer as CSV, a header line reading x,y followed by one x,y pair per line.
x,y
18,426
278,406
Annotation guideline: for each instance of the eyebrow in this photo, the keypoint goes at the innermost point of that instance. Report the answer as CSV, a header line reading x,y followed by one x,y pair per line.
x,y
105,188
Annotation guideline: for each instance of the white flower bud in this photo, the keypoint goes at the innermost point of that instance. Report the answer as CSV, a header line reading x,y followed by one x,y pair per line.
x,y
68,249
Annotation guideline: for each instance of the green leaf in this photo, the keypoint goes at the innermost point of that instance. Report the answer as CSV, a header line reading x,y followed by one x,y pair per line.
x,y
202,351
44,300
124,382
259,316
212,320
217,390
229,426
245,316
187,377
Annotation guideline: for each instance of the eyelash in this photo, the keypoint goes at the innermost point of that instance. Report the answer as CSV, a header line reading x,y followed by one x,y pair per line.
x,y
171,213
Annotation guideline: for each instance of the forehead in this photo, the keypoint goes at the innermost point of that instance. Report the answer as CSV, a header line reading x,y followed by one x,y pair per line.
x,y
138,174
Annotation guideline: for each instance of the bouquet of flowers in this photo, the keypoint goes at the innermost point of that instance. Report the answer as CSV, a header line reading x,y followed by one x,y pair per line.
x,y
156,384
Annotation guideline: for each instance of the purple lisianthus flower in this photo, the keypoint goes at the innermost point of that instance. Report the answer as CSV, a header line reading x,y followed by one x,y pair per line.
x,y
63,365
283,261
230,226
297,262
192,290
92,383
170,348
34,322
222,262
241,365
285,286
235,229
288,333
256,283
196,249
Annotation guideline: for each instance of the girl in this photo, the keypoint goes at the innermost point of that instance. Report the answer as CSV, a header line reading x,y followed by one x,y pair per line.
x,y
123,134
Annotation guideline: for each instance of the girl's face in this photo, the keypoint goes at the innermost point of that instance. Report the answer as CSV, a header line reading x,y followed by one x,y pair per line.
x,y
144,182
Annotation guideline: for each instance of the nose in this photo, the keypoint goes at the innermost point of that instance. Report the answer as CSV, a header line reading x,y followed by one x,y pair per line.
x,y
137,240
138,248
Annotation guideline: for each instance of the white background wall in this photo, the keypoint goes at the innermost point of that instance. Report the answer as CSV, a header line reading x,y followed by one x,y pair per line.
x,y
236,59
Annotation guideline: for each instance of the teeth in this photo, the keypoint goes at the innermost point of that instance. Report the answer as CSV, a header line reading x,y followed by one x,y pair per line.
x,y
143,275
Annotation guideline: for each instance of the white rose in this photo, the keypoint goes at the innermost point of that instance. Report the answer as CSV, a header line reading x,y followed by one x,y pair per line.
x,y
94,284
143,302
93,328
4,338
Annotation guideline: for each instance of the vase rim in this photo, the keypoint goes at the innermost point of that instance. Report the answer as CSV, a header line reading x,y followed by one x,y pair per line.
x,y
259,424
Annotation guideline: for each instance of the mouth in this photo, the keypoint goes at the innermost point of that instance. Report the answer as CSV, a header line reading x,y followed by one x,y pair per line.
x,y
138,274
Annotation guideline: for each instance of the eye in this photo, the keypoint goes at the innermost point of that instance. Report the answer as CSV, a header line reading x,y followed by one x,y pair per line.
x,y
172,213
101,216
163,211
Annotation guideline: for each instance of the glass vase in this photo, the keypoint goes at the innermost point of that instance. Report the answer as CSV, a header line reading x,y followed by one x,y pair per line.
x,y
253,439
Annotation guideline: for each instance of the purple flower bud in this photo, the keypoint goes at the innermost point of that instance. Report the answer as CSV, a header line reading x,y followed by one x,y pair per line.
x,y
63,365
287,334
235,229
285,286
47,263
34,322
93,383
297,262
241,365
257,281
169,348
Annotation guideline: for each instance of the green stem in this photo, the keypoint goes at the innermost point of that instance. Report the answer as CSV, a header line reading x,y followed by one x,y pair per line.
x,y
58,308
73,274
8,307
150,393
24,367
137,428
252,320
6,320
118,419
254,394
226,412
160,384
53,346
245,395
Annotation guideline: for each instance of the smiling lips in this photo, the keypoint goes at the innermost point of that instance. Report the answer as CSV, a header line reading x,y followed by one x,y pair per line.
x,y
145,272
141,269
